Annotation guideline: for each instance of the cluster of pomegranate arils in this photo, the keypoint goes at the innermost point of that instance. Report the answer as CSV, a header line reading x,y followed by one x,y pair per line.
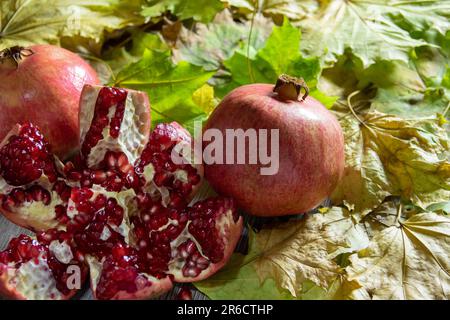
x,y
119,211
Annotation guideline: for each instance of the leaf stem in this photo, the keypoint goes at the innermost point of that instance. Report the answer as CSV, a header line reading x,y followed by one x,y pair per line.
x,y
252,22
349,103
446,110
399,212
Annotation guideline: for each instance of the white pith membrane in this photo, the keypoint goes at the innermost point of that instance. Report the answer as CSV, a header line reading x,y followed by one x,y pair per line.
x,y
32,281
131,139
151,188
61,251
187,151
106,234
181,175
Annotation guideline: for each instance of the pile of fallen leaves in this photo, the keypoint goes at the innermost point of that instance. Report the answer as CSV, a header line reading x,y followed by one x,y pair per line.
x,y
382,66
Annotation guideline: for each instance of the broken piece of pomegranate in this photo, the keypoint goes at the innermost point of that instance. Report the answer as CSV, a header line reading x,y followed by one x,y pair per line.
x,y
32,191
41,270
191,244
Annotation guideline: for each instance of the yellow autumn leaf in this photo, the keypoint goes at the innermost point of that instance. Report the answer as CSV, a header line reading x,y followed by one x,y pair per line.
x,y
292,260
294,252
387,155
408,256
26,22
203,97
340,224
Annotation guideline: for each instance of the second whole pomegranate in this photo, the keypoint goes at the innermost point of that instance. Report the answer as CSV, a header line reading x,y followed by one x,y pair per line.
x,y
308,156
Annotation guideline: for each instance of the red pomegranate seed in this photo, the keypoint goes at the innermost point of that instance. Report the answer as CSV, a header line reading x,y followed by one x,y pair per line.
x,y
98,176
18,195
184,293
122,160
26,157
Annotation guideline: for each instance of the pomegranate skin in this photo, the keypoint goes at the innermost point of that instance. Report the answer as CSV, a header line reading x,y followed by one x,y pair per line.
x,y
311,152
45,89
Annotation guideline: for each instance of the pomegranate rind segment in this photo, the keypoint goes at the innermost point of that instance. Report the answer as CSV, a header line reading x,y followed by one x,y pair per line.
x,y
7,290
230,231
29,282
35,215
160,175
150,288
35,208
191,244
32,279
90,241
134,126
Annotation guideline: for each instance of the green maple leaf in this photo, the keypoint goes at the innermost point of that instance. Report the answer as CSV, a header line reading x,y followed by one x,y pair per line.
x,y
414,89
372,30
26,22
170,87
208,45
200,10
271,61
418,88
115,59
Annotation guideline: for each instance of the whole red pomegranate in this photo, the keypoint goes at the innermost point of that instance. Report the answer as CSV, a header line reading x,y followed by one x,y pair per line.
x,y
42,84
311,149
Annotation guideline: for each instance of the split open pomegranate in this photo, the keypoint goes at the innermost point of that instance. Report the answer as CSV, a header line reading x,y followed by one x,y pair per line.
x,y
121,208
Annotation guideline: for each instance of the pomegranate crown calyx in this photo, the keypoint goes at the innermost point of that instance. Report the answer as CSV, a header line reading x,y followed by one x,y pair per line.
x,y
289,88
15,53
